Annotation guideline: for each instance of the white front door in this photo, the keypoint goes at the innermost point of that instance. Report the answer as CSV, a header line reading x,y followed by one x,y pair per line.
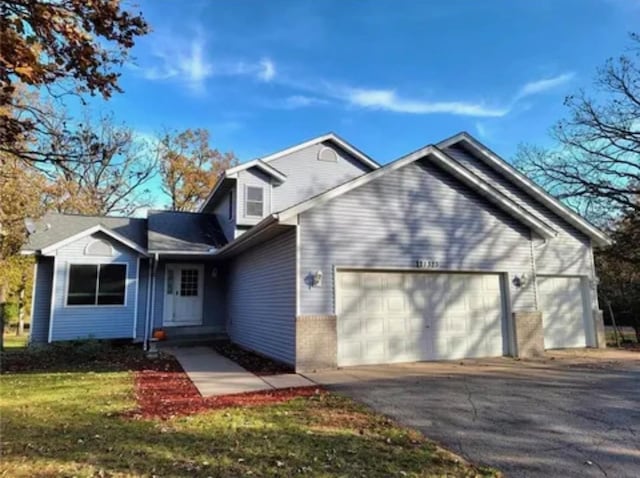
x,y
386,317
183,290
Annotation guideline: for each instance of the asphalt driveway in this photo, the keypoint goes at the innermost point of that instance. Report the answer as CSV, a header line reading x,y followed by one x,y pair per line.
x,y
574,415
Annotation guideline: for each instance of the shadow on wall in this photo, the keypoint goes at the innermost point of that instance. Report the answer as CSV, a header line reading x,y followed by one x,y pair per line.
x,y
417,212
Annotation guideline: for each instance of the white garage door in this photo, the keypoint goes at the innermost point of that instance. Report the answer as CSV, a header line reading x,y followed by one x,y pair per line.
x,y
562,303
386,317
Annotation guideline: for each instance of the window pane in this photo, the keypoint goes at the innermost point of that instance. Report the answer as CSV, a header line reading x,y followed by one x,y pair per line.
x,y
189,283
82,284
254,193
254,209
112,284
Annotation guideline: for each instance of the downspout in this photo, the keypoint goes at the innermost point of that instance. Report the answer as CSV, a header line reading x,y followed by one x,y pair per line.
x,y
151,297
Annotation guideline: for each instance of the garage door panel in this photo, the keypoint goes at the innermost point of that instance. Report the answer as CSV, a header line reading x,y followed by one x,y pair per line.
x,y
417,316
562,303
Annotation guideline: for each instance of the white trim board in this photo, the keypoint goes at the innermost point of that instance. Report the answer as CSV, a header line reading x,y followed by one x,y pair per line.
x,y
440,159
500,165
92,230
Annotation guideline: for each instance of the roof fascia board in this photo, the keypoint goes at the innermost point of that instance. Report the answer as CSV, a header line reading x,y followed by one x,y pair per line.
x,y
494,161
256,163
87,232
325,137
257,229
450,165
213,192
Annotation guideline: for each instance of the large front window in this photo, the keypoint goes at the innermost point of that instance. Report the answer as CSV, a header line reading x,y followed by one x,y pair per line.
x,y
97,284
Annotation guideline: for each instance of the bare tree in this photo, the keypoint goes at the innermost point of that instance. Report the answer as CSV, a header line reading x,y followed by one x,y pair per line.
x,y
108,170
595,162
189,167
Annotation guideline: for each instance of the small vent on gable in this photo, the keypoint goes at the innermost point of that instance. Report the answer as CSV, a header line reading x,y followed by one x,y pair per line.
x,y
98,247
327,154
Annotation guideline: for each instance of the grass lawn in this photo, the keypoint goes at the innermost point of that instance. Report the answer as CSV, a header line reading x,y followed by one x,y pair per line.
x,y
12,341
73,423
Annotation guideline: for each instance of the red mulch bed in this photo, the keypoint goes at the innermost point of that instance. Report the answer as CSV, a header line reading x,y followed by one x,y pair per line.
x,y
166,391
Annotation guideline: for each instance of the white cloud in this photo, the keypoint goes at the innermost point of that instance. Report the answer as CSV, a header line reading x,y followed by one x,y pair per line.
x,y
540,86
389,100
189,61
268,70
302,101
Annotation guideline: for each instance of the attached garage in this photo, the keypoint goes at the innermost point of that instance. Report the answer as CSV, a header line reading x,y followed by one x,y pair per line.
x,y
563,303
387,317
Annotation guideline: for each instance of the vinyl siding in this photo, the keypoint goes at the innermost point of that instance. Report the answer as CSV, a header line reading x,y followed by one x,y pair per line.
x,y
307,176
416,212
221,212
568,253
40,308
100,322
213,300
252,177
262,298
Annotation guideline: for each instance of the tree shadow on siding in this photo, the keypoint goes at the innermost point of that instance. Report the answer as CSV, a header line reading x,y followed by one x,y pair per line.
x,y
416,212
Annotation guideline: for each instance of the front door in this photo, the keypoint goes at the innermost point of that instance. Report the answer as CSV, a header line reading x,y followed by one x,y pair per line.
x,y
183,290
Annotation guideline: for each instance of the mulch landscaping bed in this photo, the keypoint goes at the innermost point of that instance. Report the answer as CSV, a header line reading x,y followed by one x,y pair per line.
x,y
162,389
168,393
254,363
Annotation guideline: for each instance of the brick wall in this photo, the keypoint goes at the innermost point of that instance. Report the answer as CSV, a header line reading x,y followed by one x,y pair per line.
x,y
316,342
529,334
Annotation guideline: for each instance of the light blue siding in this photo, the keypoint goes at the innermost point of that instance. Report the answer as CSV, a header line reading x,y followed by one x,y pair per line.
x,y
307,176
221,212
41,305
100,322
142,298
213,300
568,253
262,298
415,212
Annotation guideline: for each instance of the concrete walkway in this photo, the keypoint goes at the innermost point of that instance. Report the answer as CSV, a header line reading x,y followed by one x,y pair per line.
x,y
215,375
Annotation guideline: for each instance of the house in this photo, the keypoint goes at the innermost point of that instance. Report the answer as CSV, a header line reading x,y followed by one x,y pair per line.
x,y
319,257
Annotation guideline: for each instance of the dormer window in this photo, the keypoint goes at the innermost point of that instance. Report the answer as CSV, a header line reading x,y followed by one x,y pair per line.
x,y
254,201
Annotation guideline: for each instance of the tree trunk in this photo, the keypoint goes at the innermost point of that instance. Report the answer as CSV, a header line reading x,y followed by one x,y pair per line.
x,y
3,299
20,328
613,321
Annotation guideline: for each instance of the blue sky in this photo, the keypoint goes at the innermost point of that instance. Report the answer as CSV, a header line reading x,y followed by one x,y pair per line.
x,y
388,76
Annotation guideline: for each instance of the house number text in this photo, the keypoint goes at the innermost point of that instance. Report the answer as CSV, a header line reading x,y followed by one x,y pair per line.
x,y
427,264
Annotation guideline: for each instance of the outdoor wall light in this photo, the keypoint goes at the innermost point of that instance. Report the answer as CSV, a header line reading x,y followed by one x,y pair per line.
x,y
521,280
317,278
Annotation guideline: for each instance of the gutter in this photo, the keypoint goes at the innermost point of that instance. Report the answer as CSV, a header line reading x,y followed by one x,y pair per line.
x,y
254,231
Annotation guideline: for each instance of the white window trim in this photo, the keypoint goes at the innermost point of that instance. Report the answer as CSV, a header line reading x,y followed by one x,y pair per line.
x,y
246,200
93,306
326,148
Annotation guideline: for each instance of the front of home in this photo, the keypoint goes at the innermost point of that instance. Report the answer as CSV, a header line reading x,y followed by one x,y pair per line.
x,y
319,257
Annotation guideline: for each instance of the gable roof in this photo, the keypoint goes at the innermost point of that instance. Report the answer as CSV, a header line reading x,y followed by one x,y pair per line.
x,y
184,232
527,185
55,229
436,156
256,163
262,163
332,137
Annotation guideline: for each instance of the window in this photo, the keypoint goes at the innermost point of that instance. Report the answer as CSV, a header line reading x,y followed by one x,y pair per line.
x,y
97,284
230,204
327,154
254,201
